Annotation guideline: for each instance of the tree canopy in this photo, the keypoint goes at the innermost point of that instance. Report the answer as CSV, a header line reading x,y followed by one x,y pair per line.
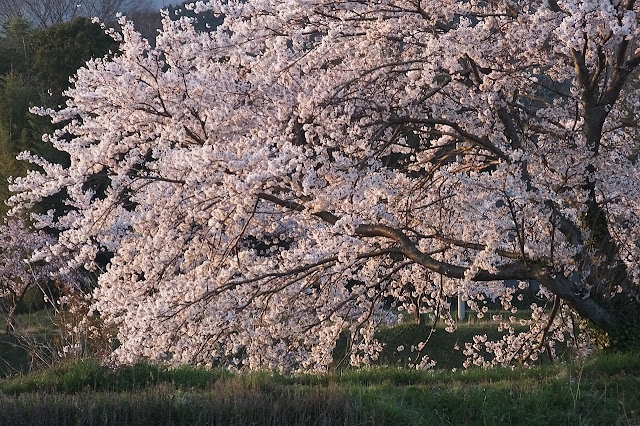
x,y
44,13
314,167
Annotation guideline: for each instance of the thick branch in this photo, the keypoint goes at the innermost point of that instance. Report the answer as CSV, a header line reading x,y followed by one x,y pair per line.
x,y
292,205
510,128
555,281
477,246
409,249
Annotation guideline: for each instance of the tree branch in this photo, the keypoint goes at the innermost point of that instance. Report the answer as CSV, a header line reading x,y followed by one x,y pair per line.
x,y
409,250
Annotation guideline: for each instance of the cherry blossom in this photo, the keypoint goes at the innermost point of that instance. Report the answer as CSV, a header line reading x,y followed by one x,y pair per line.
x,y
311,168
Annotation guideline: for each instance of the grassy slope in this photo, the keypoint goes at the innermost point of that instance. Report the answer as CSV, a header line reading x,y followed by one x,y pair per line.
x,y
604,390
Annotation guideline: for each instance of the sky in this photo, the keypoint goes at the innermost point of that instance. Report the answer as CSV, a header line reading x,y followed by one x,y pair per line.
x,y
160,3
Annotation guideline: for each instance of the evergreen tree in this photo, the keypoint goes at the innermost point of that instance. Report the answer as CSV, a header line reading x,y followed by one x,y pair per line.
x,y
14,37
35,70
59,50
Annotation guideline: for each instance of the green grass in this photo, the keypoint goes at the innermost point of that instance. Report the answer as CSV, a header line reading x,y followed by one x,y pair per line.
x,y
439,348
15,356
161,406
603,390
89,375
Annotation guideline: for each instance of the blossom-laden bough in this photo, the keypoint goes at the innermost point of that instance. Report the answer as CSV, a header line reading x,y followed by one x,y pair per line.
x,y
310,167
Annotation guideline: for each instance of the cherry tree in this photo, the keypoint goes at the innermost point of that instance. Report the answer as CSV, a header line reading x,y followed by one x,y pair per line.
x,y
310,168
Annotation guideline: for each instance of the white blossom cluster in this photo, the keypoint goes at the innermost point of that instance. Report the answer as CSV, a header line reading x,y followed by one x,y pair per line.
x,y
16,245
19,273
310,167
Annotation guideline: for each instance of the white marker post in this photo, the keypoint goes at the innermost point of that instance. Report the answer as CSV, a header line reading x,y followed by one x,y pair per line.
x,y
462,306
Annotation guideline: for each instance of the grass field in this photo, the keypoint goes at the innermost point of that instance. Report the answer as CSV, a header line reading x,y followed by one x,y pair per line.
x,y
600,391
604,390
